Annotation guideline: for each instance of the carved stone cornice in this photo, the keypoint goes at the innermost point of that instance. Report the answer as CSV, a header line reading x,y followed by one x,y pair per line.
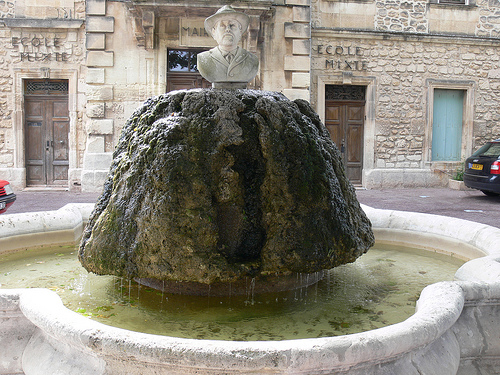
x,y
143,23
146,13
36,23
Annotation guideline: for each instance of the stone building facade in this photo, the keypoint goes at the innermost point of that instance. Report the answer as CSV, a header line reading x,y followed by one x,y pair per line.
x,y
407,88
404,53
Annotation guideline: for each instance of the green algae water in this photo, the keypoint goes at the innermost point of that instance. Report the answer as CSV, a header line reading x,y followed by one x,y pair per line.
x,y
379,289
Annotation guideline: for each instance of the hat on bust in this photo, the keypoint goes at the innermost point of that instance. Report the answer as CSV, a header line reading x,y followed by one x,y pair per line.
x,y
227,12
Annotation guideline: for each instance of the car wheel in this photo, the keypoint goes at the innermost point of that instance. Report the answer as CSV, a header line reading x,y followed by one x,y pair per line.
x,y
490,193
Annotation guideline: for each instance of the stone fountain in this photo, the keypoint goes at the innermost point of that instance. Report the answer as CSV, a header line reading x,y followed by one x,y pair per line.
x,y
211,187
454,330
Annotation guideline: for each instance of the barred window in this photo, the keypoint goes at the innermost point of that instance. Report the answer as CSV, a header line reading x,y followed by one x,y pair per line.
x,y
451,2
46,87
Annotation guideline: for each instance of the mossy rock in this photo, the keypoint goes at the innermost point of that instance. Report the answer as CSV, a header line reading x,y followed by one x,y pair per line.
x,y
213,186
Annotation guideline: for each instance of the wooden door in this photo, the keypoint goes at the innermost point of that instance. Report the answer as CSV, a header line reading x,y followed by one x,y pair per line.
x,y
186,81
345,122
46,138
182,70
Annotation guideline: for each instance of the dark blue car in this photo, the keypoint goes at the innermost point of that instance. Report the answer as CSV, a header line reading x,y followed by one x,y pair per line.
x,y
482,169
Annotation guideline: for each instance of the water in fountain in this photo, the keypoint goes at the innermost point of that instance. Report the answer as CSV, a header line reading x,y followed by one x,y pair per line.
x,y
379,289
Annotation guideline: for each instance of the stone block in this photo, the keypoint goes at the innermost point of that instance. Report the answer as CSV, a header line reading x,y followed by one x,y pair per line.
x,y
97,161
100,126
450,20
457,185
95,144
293,94
87,181
74,180
96,110
494,73
48,23
96,41
297,30
301,14
100,58
72,36
298,63
301,80
99,93
93,181
96,7
95,24
16,176
298,2
301,47
95,75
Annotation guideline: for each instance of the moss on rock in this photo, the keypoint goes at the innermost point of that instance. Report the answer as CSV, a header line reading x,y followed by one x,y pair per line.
x,y
215,185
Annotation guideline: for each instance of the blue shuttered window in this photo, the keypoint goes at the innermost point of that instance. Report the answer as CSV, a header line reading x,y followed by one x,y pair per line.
x,y
447,125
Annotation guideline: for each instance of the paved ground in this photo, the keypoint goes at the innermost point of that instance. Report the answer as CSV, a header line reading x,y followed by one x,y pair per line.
x,y
470,205
46,200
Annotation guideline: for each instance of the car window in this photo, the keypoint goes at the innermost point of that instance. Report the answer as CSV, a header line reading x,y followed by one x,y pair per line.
x,y
489,149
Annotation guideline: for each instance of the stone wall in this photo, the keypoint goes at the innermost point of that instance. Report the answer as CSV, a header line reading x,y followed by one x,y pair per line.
x,y
33,47
407,16
404,71
412,48
119,78
7,9
489,20
117,59
297,58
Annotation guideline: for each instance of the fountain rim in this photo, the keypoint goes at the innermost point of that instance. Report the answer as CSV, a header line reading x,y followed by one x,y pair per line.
x,y
440,313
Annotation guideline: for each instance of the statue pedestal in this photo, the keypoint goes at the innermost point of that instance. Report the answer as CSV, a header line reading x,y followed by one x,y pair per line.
x,y
229,85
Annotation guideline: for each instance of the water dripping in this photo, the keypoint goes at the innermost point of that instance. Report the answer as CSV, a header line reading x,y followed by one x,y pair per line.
x,y
208,296
246,291
328,285
301,287
306,286
162,293
252,289
317,276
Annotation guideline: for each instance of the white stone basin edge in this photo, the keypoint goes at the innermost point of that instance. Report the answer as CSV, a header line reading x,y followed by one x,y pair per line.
x,y
455,329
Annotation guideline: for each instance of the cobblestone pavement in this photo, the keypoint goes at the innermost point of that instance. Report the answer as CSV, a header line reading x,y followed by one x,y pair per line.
x,y
469,205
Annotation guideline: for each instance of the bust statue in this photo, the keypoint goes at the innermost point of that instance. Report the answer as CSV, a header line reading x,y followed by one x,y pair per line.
x,y
227,65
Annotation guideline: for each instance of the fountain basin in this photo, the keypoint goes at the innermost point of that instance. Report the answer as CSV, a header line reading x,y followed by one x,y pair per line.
x,y
455,329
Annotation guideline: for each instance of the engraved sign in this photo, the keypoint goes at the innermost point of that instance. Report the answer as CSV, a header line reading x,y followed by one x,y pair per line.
x,y
40,47
192,33
340,57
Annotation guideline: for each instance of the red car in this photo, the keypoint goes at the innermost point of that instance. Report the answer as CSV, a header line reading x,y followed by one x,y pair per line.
x,y
7,196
